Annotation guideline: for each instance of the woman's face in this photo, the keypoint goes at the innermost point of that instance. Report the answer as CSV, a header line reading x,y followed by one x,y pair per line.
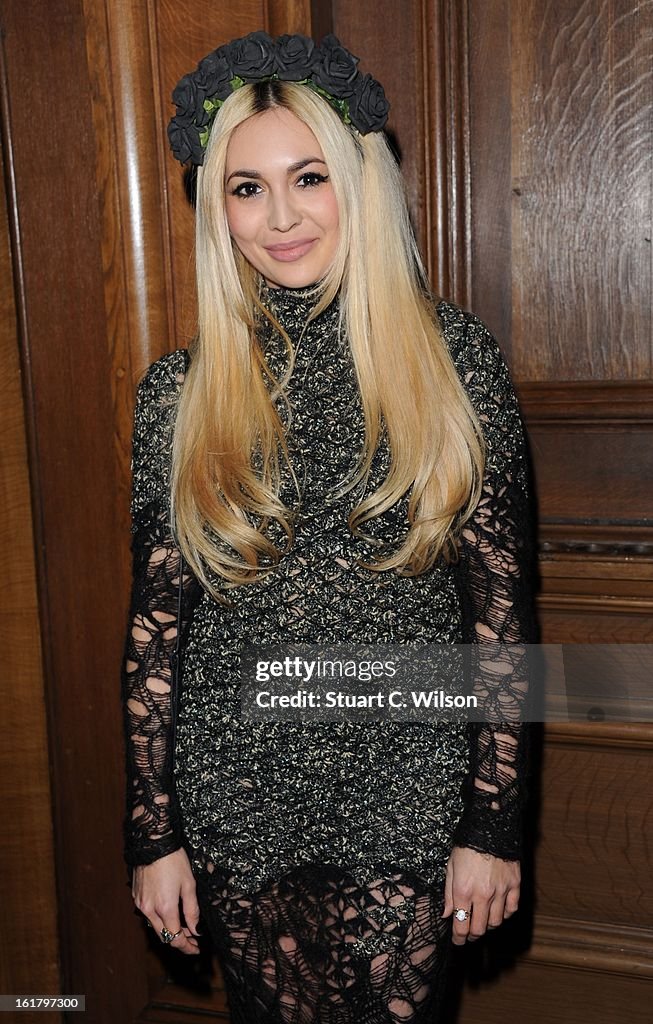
x,y
281,208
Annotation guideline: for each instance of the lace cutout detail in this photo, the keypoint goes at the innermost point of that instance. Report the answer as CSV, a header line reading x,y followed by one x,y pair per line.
x,y
320,947
320,851
152,825
495,575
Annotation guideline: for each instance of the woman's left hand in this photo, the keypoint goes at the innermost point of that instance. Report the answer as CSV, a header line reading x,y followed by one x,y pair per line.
x,y
483,885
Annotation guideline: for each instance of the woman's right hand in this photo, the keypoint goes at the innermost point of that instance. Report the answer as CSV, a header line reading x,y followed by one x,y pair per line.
x,y
159,888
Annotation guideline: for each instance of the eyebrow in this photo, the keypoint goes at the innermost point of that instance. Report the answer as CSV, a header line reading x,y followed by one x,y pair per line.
x,y
244,173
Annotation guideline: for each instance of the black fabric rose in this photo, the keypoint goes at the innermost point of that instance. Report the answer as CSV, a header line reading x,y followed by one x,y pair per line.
x,y
185,142
336,71
294,58
252,57
329,69
214,74
189,100
368,107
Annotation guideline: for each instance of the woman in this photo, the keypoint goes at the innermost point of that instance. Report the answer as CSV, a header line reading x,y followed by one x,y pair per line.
x,y
338,459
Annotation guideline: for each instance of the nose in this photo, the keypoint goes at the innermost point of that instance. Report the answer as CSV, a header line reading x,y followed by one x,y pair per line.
x,y
283,214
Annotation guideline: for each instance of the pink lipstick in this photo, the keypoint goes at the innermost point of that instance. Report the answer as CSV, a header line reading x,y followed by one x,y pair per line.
x,y
288,252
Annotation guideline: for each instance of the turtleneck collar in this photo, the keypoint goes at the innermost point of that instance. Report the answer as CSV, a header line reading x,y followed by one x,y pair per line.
x,y
291,305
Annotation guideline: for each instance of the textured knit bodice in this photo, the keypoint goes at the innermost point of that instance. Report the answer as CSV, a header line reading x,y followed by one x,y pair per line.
x,y
260,799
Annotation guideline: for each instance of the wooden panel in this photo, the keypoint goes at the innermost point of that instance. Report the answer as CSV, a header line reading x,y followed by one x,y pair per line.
x,y
589,598
594,622
187,1003
179,39
582,82
596,801
593,576
544,994
422,63
490,129
29,956
592,447
564,237
611,472
560,99
391,46
69,401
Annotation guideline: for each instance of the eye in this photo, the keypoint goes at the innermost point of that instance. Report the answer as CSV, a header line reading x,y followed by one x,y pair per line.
x,y
246,189
312,178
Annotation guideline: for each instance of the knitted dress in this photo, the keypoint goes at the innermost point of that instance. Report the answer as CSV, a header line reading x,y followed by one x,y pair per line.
x,y
320,848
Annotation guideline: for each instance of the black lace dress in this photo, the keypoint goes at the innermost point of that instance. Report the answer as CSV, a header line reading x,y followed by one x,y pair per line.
x,y
319,849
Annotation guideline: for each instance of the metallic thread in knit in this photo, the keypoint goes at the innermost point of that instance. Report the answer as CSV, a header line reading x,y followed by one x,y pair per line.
x,y
261,799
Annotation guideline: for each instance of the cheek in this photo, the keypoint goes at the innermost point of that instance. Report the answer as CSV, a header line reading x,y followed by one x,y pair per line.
x,y
239,219
331,217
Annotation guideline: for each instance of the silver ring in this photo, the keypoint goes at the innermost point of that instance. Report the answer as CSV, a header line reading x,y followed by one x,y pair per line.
x,y
167,936
460,914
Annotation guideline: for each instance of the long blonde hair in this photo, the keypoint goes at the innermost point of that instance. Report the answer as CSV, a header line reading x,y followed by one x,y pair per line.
x,y
224,498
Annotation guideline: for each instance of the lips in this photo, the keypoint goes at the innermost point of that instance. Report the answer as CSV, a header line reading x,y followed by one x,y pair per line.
x,y
288,252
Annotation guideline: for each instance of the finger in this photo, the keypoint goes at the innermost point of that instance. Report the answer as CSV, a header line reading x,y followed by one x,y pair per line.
x,y
153,921
512,902
190,907
185,943
181,941
448,891
495,917
461,924
479,919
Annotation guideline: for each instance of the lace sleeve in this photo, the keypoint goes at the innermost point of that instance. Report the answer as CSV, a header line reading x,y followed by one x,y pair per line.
x,y
152,822
495,579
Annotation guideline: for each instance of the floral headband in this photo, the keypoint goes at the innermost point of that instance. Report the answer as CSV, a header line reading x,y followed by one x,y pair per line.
x,y
329,70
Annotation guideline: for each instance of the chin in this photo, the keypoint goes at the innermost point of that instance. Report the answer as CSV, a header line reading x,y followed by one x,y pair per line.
x,y
292,277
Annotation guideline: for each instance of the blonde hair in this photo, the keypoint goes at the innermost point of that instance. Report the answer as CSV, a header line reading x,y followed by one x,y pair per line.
x,y
229,439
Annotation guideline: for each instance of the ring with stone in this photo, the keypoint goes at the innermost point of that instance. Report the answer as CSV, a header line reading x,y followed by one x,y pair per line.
x,y
167,936
460,914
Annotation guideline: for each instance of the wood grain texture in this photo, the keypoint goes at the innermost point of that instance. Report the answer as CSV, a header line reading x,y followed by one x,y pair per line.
x,y
136,166
545,994
422,63
611,471
594,850
568,575
445,32
490,117
391,43
321,18
129,282
176,1003
613,403
582,187
281,16
69,402
29,957
596,598
181,34
601,948
627,736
